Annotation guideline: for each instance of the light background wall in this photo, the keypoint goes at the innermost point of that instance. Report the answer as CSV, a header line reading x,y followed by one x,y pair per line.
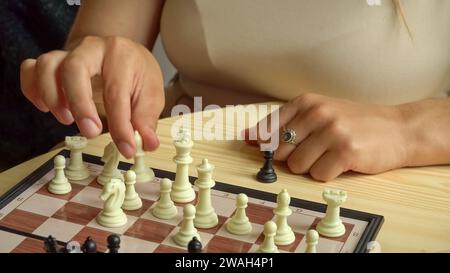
x,y
166,66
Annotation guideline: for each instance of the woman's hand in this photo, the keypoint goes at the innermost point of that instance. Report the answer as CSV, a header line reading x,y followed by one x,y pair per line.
x,y
133,89
335,135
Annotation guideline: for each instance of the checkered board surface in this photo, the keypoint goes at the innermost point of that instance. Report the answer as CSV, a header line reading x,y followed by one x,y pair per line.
x,y
29,213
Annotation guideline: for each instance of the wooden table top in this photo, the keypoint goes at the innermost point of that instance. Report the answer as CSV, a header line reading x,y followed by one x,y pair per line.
x,y
414,201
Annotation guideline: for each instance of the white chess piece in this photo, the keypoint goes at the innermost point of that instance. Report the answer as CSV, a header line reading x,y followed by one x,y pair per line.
x,y
239,224
312,238
373,247
132,200
76,170
165,208
111,158
59,184
187,230
331,225
182,190
285,235
143,172
205,216
112,214
268,245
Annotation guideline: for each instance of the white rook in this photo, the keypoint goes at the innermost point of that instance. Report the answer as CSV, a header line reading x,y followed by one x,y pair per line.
x,y
331,225
76,170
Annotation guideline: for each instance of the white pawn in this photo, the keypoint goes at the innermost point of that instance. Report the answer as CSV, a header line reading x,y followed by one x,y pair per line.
x,y
112,214
187,230
76,169
111,159
312,238
239,224
143,173
285,235
268,245
59,184
205,216
132,200
165,208
331,225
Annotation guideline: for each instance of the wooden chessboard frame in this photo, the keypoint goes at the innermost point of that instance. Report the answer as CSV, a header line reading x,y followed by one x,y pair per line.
x,y
373,227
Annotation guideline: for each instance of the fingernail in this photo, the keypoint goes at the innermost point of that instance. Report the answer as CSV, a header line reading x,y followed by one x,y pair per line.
x,y
66,115
89,128
125,149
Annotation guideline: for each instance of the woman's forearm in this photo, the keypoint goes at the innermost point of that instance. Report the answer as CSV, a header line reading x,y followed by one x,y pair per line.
x,y
137,20
427,125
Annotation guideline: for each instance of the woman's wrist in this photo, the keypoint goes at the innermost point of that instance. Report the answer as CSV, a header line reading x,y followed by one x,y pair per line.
x,y
426,127
408,132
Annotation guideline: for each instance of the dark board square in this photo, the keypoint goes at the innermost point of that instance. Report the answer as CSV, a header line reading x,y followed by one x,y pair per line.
x,y
30,245
149,230
76,213
23,220
219,244
259,214
146,204
76,188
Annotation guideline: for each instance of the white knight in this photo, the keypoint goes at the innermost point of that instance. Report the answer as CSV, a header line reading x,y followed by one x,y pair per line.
x,y
112,214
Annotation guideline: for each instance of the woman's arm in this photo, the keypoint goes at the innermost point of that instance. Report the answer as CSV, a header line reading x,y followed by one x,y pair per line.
x,y
335,135
137,20
428,130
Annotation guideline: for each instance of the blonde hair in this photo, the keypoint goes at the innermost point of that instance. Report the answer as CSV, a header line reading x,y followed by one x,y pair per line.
x,y
401,15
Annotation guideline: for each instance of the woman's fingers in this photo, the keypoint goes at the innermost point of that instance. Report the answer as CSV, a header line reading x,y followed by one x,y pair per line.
x,y
133,91
133,95
147,108
48,85
76,72
28,86
282,116
118,85
308,152
307,122
329,166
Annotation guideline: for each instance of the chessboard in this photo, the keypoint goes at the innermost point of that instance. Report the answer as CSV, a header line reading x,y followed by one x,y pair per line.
x,y
29,213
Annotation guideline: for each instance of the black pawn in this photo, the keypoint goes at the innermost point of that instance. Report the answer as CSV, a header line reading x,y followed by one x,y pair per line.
x,y
195,246
267,174
51,245
89,246
113,243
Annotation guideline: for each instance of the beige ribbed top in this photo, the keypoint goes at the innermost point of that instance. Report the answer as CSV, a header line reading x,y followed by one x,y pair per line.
x,y
240,51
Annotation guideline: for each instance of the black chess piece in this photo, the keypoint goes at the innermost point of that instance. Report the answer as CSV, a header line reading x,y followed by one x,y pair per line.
x,y
51,245
195,246
113,243
89,246
267,174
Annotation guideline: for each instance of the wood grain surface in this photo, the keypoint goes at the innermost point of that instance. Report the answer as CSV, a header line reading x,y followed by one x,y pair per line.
x,y
414,201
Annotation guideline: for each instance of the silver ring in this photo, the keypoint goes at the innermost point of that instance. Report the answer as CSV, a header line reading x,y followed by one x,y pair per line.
x,y
289,136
